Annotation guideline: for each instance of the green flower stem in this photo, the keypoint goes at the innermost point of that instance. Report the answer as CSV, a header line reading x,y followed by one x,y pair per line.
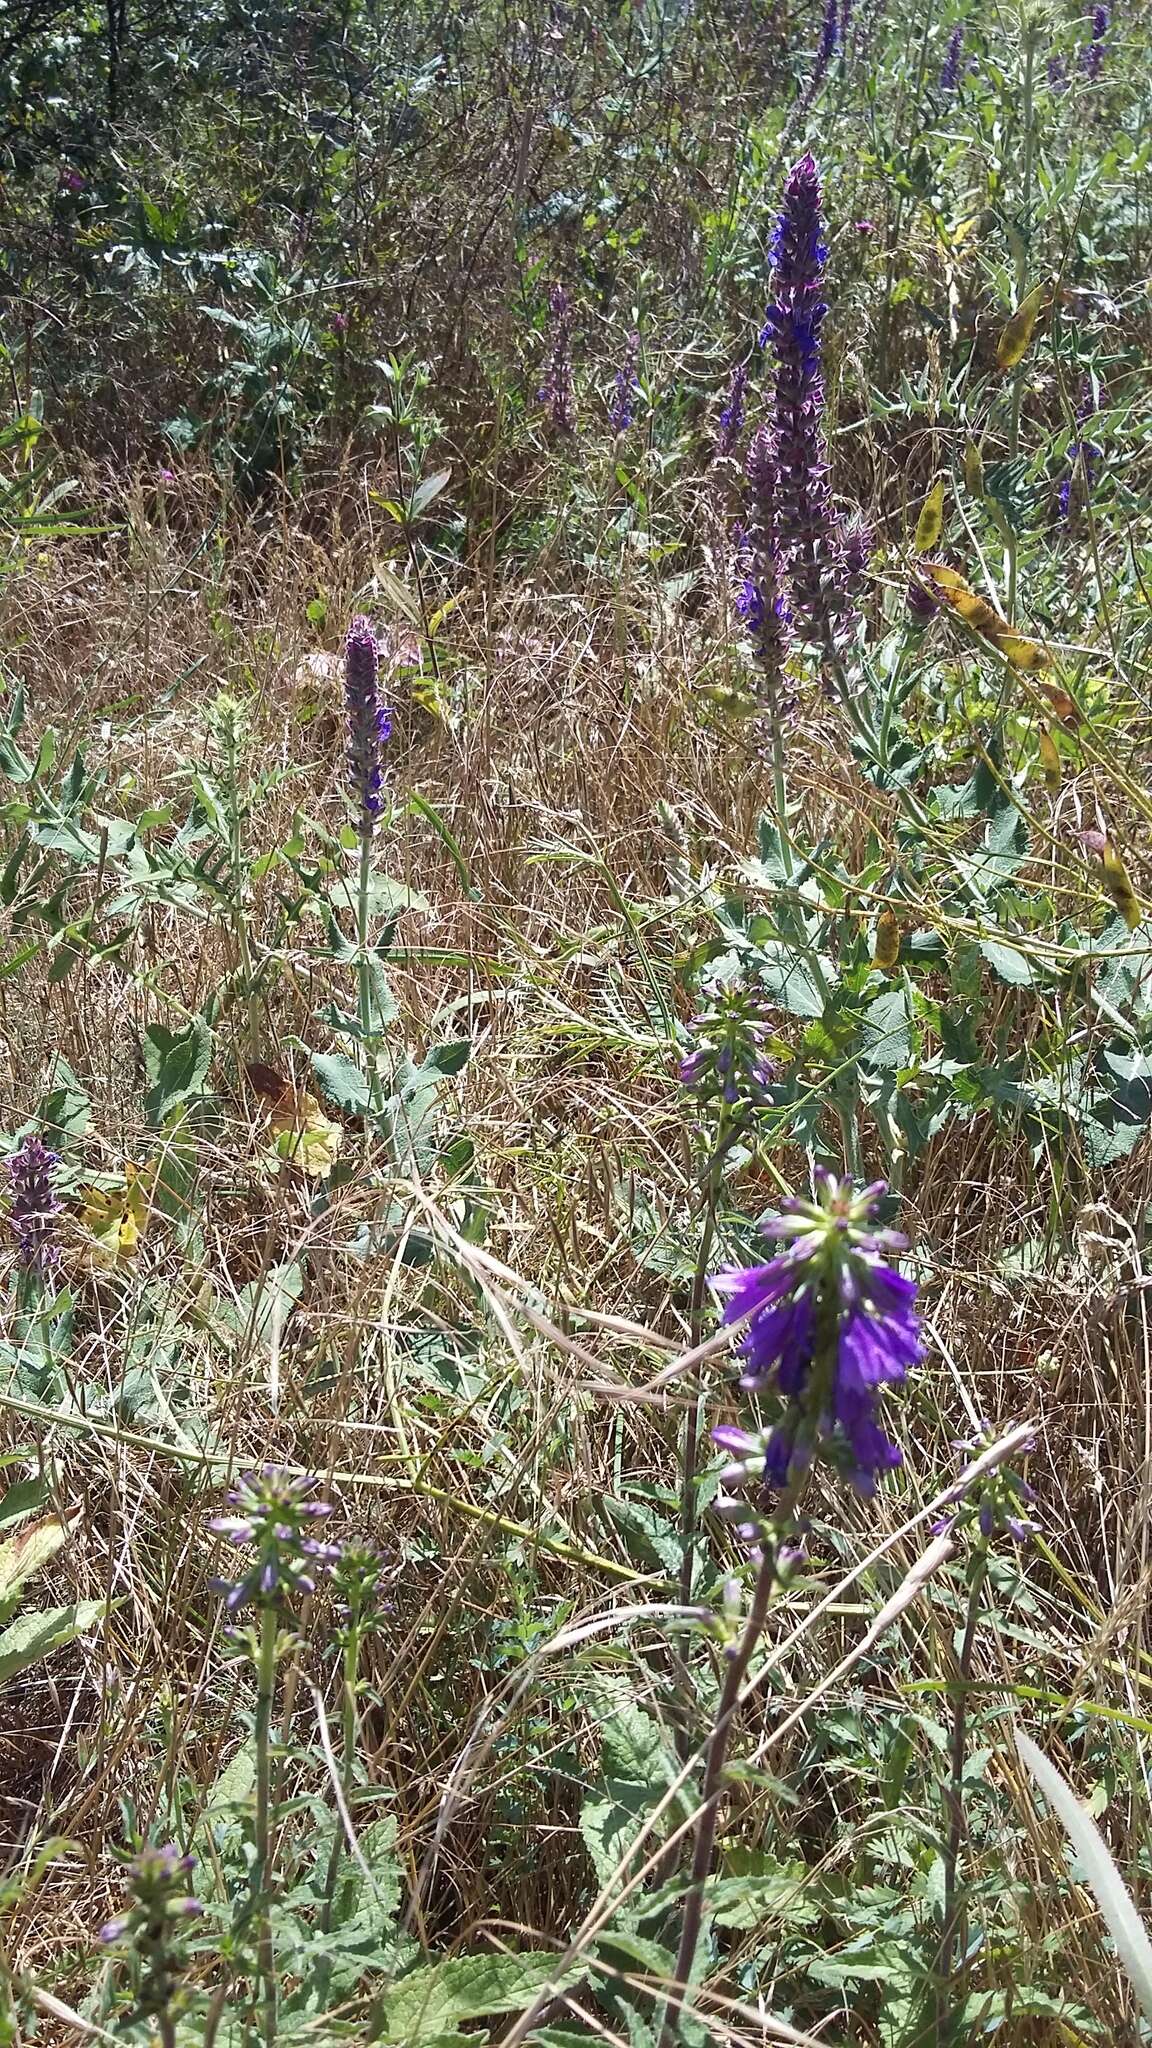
x,y
260,1883
363,964
348,1745
739,1656
951,1909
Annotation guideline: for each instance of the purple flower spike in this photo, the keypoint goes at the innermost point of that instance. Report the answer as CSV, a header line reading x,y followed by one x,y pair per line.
x,y
950,70
35,1204
369,721
829,43
761,602
555,393
830,1325
792,326
622,410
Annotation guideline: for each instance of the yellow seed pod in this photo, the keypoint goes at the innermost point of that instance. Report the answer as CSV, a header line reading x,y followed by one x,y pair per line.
x,y
973,471
886,939
930,524
1017,332
1049,760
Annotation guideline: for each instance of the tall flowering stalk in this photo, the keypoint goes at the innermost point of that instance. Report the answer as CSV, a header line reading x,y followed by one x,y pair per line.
x,y
273,1517
830,1325
34,1204
369,730
622,409
152,1929
829,42
792,328
760,600
555,393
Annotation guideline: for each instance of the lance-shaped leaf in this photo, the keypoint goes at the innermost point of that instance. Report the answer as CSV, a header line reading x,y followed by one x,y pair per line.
x,y
1018,330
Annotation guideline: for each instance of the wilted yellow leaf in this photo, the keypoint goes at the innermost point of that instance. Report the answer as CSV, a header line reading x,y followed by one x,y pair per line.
x,y
930,524
981,618
29,1552
1017,332
115,1219
1114,876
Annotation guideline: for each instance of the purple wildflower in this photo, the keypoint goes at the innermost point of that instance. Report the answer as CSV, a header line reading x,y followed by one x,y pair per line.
x,y
996,1504
555,392
950,69
622,410
727,1062
1057,72
760,600
369,721
857,551
160,1905
793,322
1083,459
731,424
274,1520
830,1325
1092,52
35,1203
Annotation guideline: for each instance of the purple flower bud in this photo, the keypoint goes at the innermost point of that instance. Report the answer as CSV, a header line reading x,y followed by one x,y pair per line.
x,y
275,1523
369,721
1092,52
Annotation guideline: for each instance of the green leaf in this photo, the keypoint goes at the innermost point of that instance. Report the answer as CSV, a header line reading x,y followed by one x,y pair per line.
x,y
32,1637
177,1064
22,1499
343,1082
1011,965
432,2001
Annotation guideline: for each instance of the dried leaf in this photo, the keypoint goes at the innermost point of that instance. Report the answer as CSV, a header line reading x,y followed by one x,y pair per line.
x,y
981,618
1065,707
930,524
115,1219
1017,333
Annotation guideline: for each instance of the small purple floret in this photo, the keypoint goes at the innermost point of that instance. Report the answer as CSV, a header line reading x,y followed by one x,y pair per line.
x,y
35,1203
369,721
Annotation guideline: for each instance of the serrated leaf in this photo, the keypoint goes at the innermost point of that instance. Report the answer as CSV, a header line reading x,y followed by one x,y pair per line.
x,y
1008,962
343,1082
885,1036
432,2001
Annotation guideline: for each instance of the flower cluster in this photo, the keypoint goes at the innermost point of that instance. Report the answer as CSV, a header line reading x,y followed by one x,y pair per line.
x,y
160,1908
555,393
359,1577
830,1324
792,326
1092,52
274,1520
731,423
727,1063
369,721
950,69
35,1203
996,1504
622,410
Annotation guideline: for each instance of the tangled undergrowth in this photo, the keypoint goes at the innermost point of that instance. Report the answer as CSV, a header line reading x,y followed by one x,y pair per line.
x,y
532,788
